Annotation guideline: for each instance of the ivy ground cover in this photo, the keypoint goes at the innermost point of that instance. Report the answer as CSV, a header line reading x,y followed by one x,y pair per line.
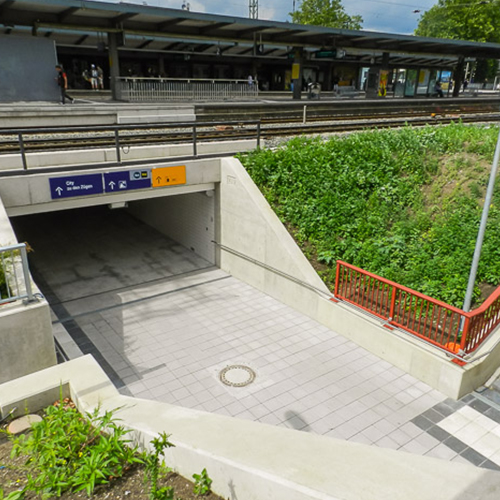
x,y
404,204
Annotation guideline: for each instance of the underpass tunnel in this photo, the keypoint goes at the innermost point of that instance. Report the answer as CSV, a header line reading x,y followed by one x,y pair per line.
x,y
90,263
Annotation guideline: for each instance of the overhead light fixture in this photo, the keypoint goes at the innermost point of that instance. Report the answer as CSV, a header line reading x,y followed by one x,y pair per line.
x,y
118,204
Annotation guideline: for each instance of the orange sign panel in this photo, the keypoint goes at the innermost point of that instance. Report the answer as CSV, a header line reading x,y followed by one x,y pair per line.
x,y
168,176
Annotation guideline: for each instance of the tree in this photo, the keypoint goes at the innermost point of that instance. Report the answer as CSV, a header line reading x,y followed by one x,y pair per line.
x,y
328,13
474,20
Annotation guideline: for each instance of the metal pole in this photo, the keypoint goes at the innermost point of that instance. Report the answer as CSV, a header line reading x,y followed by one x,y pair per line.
x,y
117,147
258,135
482,228
26,273
195,146
23,151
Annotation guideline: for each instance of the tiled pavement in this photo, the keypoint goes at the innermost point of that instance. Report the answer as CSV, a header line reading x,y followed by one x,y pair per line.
x,y
163,323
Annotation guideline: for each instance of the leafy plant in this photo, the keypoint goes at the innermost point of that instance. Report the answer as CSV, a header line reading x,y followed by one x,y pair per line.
x,y
202,483
13,495
154,466
404,204
68,452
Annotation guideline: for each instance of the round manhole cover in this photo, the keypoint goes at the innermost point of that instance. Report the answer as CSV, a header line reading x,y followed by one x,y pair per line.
x,y
237,375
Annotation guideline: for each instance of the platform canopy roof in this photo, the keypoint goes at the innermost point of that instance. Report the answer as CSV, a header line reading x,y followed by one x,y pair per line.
x,y
71,18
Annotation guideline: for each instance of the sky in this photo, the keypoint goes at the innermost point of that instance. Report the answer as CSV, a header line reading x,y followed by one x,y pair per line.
x,y
391,16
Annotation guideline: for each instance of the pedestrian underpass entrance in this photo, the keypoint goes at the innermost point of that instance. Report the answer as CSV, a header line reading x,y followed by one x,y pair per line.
x,y
94,258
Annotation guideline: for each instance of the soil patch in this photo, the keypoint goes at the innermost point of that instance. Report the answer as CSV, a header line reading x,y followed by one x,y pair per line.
x,y
131,485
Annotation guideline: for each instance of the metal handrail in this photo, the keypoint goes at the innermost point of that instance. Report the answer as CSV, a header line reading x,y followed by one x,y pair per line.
x,y
188,80
157,89
21,133
440,324
16,287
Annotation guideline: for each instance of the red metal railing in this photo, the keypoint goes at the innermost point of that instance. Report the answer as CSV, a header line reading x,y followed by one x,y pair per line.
x,y
437,322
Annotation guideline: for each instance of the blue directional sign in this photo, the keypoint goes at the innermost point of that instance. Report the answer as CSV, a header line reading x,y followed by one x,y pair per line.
x,y
126,180
75,185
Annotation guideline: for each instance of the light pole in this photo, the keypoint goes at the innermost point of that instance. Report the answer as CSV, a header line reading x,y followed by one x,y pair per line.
x,y
482,228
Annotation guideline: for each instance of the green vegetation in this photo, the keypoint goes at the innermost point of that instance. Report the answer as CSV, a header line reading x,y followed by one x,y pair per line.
x,y
3,286
477,21
68,452
154,468
329,13
403,204
202,483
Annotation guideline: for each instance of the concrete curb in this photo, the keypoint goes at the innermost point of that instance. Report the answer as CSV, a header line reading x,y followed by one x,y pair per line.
x,y
249,460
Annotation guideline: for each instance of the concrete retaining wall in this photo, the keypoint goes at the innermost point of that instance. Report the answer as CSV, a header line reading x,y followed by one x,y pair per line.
x,y
187,219
253,461
26,341
103,155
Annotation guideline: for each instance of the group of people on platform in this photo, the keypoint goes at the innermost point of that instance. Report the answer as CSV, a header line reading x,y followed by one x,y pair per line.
x,y
95,77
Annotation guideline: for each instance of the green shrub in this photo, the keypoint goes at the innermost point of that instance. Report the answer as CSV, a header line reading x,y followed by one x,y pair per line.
x,y
394,202
68,452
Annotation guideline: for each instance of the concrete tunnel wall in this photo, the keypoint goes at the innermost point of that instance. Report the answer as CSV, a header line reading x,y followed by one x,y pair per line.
x,y
187,219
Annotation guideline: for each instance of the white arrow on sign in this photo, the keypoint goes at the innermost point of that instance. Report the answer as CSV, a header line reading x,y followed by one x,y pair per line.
x,y
59,190
112,185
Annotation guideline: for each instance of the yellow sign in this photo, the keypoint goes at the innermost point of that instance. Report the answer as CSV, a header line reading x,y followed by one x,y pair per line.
x,y
295,71
168,176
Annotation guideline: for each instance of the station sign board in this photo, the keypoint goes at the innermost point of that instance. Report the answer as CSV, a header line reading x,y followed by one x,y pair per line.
x,y
75,185
127,180
168,176
116,181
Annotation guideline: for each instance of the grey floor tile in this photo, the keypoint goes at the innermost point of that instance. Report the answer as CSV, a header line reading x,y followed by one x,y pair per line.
x,y
455,444
488,464
422,422
473,456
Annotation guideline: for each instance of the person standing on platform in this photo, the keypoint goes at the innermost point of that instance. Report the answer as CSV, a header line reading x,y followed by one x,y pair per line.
x,y
100,77
62,81
336,81
94,75
438,89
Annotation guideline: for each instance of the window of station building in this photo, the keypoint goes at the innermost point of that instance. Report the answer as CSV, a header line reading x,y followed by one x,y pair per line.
x,y
399,82
363,77
348,76
445,77
411,82
423,82
433,77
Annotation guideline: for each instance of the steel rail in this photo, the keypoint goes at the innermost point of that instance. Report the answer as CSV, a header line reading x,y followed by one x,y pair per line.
x,y
61,143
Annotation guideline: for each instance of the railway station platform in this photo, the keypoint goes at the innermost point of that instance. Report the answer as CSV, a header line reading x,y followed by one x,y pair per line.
x,y
99,109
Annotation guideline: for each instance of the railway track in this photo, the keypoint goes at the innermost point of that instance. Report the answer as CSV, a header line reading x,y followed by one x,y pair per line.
x,y
57,139
387,123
